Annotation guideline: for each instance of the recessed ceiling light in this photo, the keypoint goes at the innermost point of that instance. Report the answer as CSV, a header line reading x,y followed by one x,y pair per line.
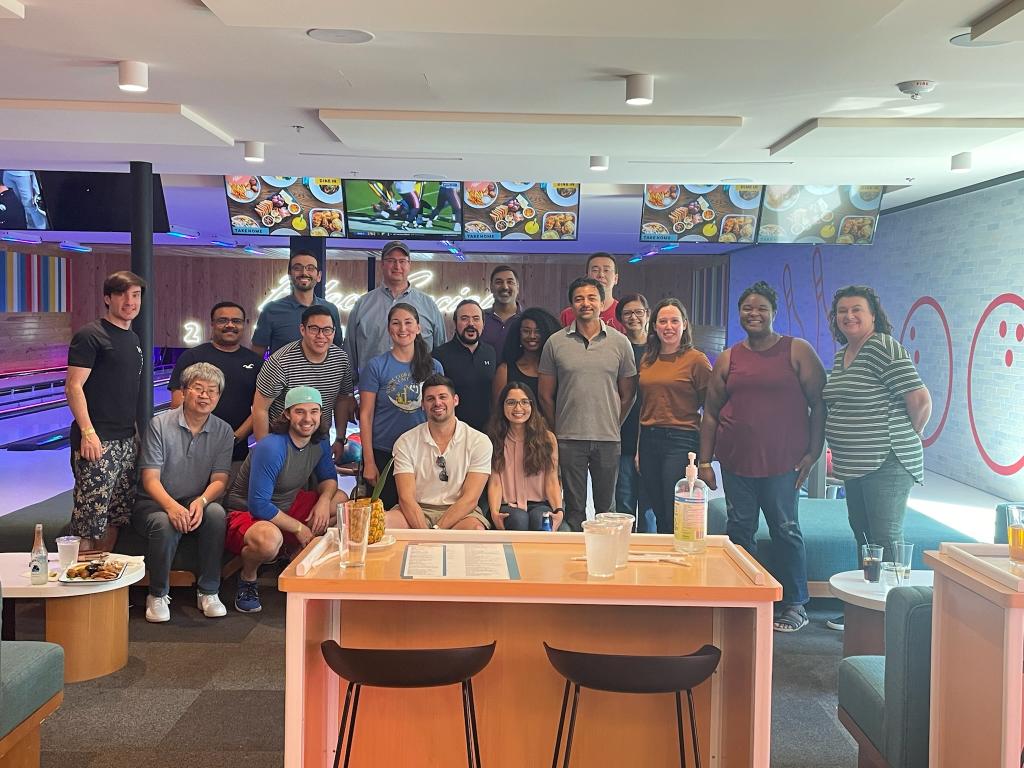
x,y
599,162
960,163
253,152
133,76
340,36
639,90
966,41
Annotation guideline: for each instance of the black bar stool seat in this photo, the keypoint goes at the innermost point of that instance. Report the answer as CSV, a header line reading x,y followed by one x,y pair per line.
x,y
413,668
632,674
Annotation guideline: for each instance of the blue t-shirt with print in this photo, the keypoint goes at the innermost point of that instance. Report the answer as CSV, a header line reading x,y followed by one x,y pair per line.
x,y
399,398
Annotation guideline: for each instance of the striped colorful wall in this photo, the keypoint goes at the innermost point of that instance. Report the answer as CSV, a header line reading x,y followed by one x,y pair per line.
x,y
33,283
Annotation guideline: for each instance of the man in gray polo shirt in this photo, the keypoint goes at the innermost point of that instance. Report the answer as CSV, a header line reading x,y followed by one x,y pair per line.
x,y
185,462
368,321
592,368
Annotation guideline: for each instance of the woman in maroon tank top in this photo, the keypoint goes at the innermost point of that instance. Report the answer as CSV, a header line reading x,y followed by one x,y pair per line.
x,y
764,420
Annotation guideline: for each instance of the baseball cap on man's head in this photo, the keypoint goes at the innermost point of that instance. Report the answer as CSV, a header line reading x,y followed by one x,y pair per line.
x,y
394,245
298,395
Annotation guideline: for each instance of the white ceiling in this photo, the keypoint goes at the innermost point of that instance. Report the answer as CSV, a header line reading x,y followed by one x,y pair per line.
x,y
224,70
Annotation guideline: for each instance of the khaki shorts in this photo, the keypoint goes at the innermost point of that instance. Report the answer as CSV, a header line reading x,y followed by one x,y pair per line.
x,y
434,512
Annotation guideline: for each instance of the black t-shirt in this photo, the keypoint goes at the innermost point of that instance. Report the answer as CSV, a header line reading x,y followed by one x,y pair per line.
x,y
112,389
630,429
240,369
472,373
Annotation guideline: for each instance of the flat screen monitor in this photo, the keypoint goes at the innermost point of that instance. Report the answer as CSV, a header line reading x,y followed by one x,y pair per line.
x,y
841,215
521,210
87,201
408,210
21,201
700,213
286,205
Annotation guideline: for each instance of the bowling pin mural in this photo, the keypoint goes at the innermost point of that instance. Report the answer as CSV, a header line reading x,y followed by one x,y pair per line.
x,y
926,336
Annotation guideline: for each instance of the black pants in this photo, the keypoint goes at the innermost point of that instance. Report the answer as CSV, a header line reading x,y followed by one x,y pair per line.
x,y
389,496
663,463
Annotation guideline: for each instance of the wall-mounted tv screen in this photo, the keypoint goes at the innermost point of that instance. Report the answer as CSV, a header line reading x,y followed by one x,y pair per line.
x,y
700,213
424,210
84,201
521,210
286,205
843,215
21,201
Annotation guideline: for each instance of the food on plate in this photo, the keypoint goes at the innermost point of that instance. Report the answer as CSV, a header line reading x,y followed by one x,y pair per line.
x,y
329,186
859,228
709,230
662,195
529,213
298,223
318,232
326,218
828,231
748,191
562,223
550,234
243,188
275,206
565,189
96,570
268,220
243,221
867,194
294,209
477,226
501,225
738,228
770,232
654,228
679,227
780,195
481,193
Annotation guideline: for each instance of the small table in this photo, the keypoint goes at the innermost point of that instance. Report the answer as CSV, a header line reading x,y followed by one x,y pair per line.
x,y
90,621
865,610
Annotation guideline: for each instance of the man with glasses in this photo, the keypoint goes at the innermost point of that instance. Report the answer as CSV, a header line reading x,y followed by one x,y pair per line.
x,y
470,363
240,367
601,267
441,467
368,320
497,319
278,321
313,361
184,463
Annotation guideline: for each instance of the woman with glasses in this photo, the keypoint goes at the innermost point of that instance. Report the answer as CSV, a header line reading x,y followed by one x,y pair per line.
x,y
674,378
523,486
390,393
632,311
520,357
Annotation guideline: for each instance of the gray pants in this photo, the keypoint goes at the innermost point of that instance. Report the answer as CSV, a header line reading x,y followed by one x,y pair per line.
x,y
150,521
575,457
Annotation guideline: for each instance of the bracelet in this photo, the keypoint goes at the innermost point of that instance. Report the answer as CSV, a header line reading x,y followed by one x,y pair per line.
x,y
87,432
558,509
205,502
704,465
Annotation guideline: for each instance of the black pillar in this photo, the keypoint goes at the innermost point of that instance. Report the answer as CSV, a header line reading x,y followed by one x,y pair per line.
x,y
142,265
371,273
318,247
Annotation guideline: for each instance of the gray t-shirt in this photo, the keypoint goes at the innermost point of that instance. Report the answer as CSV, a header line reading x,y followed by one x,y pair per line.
x,y
185,461
587,403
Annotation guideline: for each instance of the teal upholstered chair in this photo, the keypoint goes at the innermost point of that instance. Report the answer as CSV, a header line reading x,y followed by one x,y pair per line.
x,y
884,700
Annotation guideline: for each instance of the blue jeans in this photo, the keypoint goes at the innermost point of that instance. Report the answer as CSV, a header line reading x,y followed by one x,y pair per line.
x,y
662,463
777,497
630,492
877,502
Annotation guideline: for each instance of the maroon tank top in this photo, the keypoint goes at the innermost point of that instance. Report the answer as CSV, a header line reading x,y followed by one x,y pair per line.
x,y
763,427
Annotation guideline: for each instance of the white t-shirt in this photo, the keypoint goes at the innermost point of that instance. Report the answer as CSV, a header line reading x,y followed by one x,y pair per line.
x,y
416,454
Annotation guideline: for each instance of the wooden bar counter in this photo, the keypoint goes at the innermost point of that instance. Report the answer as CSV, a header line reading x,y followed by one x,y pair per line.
x,y
724,597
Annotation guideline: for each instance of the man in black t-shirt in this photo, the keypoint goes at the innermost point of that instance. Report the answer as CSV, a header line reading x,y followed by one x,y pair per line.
x,y
102,389
239,365
470,363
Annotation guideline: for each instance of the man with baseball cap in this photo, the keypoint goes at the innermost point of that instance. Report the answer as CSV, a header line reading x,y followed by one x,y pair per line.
x,y
270,508
367,334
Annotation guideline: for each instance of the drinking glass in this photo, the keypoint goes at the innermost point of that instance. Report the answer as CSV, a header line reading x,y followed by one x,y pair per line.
x,y
356,534
626,521
890,576
1015,532
871,559
67,549
902,554
601,539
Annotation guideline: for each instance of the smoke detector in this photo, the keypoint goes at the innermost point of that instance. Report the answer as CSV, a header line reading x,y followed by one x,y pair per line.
x,y
914,88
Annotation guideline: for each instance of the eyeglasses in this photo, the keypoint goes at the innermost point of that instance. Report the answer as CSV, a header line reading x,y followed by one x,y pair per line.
x,y
203,391
439,461
223,322
309,269
523,403
634,312
398,262
316,330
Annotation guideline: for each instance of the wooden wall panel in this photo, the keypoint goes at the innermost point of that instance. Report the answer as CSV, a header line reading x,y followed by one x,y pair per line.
x,y
32,340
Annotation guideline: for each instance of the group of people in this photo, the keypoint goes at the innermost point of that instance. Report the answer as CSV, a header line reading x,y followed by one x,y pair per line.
x,y
498,427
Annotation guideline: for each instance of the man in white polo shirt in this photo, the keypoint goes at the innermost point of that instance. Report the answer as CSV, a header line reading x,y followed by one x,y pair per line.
x,y
441,467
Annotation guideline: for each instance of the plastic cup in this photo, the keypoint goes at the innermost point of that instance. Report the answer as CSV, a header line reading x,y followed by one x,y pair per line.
x,y
871,560
890,576
356,534
626,521
602,544
1015,532
902,555
67,550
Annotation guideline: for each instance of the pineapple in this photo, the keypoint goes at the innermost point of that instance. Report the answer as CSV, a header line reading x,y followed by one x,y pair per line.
x,y
377,516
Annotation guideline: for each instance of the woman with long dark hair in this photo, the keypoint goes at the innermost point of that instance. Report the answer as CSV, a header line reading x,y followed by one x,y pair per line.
x,y
674,378
524,480
524,342
390,393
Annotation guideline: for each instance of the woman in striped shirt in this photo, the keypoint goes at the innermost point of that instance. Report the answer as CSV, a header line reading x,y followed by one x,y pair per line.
x,y
877,408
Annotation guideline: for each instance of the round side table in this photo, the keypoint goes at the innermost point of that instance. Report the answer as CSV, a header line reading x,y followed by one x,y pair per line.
x,y
865,610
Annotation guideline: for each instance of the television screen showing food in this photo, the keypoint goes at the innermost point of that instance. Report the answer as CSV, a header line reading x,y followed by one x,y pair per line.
x,y
424,210
700,213
841,215
21,201
286,205
521,210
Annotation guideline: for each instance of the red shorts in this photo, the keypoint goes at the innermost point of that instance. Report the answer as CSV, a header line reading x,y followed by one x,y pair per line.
x,y
240,521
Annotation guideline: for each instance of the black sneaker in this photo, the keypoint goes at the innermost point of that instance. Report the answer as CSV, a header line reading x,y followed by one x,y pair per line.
x,y
837,623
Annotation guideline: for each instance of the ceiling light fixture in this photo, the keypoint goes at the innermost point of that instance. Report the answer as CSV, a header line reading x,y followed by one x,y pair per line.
x,y
67,245
639,90
915,88
19,237
133,76
340,36
253,151
599,162
183,232
960,163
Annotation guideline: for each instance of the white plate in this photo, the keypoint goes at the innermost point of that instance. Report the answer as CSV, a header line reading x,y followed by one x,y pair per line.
x,y
384,543
488,200
700,189
279,181
519,236
325,197
517,186
65,579
787,202
861,203
557,199
227,188
669,200
693,239
821,191
741,202
285,231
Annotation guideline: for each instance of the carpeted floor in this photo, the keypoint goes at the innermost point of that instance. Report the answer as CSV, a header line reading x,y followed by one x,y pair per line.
x,y
202,693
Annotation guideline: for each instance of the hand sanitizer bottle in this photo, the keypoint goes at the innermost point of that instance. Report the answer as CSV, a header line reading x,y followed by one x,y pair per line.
x,y
691,511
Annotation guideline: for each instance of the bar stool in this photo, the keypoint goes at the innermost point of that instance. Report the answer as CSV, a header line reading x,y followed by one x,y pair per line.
x,y
633,674
415,668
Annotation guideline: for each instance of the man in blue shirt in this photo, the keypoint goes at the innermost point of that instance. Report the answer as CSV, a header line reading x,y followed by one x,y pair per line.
x,y
279,320
270,508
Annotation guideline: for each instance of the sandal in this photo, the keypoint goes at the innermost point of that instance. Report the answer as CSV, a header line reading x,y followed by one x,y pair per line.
x,y
792,618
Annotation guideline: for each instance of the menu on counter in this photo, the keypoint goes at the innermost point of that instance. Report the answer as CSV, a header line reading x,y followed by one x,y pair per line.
x,y
521,210
286,205
844,215
460,561
700,213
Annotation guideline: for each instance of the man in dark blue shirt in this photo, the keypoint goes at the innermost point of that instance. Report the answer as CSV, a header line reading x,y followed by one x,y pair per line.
x,y
279,320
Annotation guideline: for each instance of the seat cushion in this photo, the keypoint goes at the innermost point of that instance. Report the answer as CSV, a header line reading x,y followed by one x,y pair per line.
x,y
862,695
31,674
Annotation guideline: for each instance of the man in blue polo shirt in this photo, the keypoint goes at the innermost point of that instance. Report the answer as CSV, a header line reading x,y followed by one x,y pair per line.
x,y
279,320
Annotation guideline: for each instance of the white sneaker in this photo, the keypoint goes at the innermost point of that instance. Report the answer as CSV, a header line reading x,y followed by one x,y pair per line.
x,y
211,606
158,608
